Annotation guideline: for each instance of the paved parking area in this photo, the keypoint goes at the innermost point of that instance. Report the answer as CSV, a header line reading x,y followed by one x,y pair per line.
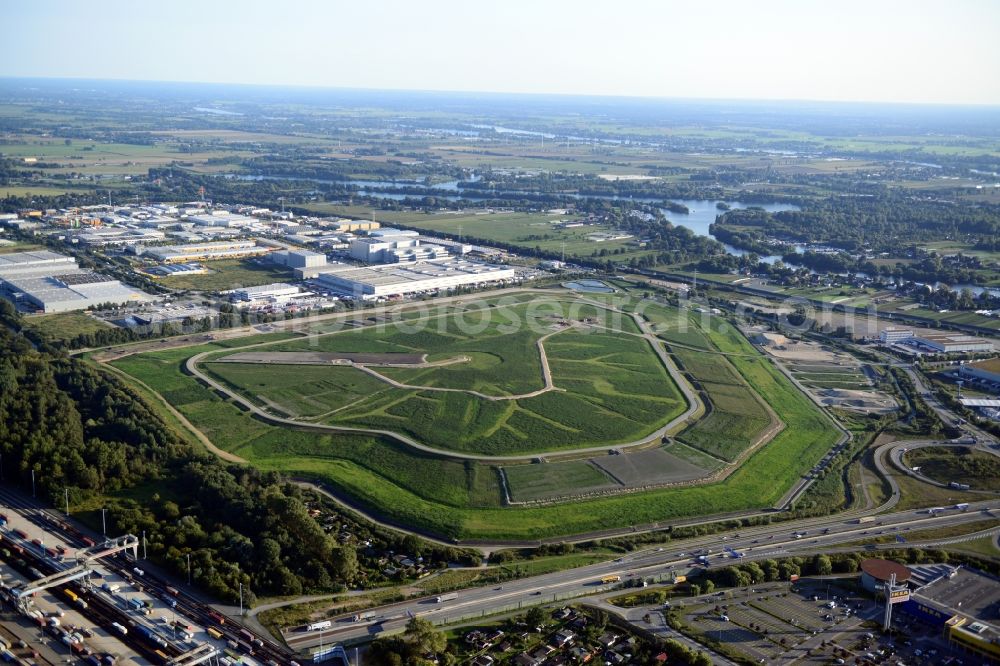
x,y
805,623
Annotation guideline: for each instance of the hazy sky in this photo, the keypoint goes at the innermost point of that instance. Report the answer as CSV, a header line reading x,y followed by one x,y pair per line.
x,y
945,51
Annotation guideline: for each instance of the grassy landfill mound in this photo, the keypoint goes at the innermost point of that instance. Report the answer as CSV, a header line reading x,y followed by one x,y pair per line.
x,y
610,387
463,499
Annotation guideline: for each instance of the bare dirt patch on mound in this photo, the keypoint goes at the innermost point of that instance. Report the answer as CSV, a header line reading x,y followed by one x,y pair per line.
x,y
322,358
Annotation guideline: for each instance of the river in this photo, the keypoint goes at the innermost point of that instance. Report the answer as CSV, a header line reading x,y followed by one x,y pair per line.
x,y
700,216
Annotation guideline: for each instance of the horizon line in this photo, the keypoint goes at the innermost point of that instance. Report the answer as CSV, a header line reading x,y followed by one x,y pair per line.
x,y
434,91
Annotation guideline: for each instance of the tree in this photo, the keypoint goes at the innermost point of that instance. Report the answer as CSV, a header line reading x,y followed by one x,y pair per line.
x,y
345,562
535,617
423,638
823,565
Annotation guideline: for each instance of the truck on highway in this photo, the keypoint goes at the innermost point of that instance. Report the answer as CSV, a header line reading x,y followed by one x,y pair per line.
x,y
935,509
445,597
364,616
962,506
866,519
609,579
316,626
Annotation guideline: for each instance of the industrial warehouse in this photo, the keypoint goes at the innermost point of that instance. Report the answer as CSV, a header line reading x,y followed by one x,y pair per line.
x,y
170,254
934,342
49,282
387,280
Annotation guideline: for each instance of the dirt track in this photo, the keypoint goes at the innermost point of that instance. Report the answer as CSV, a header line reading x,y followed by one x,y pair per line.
x,y
322,358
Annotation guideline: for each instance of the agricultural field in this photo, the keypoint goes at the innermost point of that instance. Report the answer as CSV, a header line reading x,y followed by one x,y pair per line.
x,y
95,158
464,499
46,190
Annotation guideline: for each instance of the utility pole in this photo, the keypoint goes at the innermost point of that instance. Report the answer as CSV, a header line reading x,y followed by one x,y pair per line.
x,y
241,602
66,491
32,481
144,544
104,522
189,569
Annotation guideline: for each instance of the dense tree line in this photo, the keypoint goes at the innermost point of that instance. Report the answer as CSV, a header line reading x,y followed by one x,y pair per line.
x,y
875,222
82,430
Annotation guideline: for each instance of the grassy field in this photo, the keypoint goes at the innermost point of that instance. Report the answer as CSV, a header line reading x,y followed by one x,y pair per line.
x,y
109,159
916,494
228,274
526,230
542,481
39,190
64,325
952,316
946,247
611,388
308,454
981,471
462,500
18,246
735,419
675,326
987,546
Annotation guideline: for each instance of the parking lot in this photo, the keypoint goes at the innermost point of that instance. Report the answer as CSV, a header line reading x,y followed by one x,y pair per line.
x,y
809,622
814,621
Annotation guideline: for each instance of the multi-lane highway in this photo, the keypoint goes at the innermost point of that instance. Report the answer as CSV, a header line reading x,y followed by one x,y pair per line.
x,y
678,557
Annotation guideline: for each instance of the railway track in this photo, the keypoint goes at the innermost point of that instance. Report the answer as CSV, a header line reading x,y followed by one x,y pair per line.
x,y
261,648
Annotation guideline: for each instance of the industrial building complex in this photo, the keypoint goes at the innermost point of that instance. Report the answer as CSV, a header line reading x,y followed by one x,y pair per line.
x,y
49,282
934,342
178,254
392,246
385,280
